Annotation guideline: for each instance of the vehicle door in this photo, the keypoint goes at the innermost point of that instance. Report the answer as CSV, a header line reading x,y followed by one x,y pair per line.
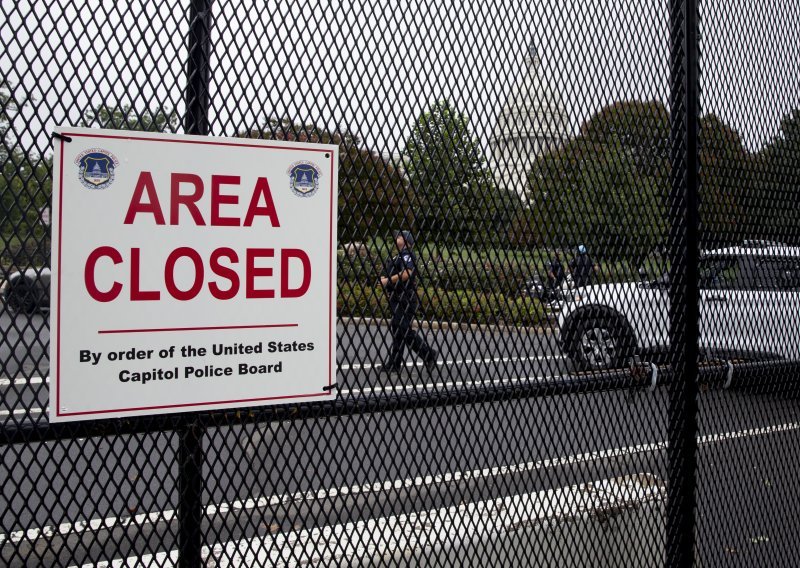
x,y
648,313
777,299
724,298
756,307
647,308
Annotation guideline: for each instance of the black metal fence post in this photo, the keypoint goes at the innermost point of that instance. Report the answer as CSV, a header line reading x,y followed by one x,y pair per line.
x,y
190,499
198,69
190,452
683,291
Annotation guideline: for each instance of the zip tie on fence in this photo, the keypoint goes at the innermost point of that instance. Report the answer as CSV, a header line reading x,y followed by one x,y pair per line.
x,y
62,137
653,376
327,388
729,377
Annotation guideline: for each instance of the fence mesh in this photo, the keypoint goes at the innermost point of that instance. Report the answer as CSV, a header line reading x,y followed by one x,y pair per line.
x,y
748,297
599,228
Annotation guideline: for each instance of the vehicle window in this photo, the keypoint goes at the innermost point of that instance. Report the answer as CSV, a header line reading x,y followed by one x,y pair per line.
x,y
724,273
778,274
790,276
768,274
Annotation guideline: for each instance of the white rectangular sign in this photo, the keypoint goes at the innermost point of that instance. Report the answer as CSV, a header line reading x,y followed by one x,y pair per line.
x,y
190,273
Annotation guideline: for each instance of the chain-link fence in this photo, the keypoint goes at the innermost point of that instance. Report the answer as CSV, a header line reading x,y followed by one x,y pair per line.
x,y
584,349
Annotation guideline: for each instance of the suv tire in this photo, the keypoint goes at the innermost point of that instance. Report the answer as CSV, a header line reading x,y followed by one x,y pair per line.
x,y
599,344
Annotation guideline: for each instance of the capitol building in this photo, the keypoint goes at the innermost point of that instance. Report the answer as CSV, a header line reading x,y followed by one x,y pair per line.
x,y
532,122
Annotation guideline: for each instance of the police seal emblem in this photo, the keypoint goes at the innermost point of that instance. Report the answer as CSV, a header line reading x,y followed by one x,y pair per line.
x,y
304,178
96,168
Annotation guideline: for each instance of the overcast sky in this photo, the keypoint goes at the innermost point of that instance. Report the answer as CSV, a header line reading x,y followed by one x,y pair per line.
x,y
374,65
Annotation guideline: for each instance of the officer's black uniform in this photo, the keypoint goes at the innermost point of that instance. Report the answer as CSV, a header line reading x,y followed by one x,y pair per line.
x,y
557,270
403,303
582,268
555,276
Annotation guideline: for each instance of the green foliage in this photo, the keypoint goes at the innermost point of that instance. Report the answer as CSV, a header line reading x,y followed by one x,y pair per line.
x,y
9,107
25,188
26,183
451,268
459,199
524,230
453,306
642,128
457,284
724,167
374,195
771,203
606,188
123,117
609,187
356,299
464,269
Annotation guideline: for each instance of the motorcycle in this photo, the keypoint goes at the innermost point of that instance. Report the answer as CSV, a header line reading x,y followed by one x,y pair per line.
x,y
551,297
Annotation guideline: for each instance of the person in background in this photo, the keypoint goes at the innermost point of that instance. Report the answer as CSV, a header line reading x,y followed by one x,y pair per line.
x,y
555,276
400,282
582,268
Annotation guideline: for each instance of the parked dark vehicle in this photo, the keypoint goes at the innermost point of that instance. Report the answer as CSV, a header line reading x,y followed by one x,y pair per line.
x,y
27,292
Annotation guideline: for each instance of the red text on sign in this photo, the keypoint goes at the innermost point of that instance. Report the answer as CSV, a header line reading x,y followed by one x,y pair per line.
x,y
218,273
187,190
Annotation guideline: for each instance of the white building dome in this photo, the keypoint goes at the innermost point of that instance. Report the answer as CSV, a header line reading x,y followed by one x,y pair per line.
x,y
532,122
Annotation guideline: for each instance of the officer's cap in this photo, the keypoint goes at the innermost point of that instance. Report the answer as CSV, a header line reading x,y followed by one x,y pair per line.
x,y
407,237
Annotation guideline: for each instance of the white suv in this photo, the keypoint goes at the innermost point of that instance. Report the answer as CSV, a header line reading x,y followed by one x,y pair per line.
x,y
749,309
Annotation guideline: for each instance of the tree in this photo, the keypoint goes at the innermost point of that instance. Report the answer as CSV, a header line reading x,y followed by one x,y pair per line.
x,y
605,188
9,107
123,117
374,195
610,186
724,166
641,127
523,229
26,183
771,203
590,193
25,188
460,201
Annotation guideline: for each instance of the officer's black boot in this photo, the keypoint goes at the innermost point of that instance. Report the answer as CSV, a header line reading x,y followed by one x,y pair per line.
x,y
432,358
428,354
394,362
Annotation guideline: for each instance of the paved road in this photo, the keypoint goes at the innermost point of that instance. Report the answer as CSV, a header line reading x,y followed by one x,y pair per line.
x,y
24,345
391,459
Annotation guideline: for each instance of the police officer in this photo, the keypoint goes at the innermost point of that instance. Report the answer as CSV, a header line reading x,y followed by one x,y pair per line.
x,y
400,282
582,268
555,276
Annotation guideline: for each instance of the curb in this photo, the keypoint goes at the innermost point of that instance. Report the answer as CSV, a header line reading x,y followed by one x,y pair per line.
x,y
451,326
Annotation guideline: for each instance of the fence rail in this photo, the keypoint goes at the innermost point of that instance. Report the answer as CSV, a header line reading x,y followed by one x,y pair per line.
x,y
642,377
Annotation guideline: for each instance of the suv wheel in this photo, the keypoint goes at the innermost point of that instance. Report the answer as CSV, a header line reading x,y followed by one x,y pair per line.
x,y
600,344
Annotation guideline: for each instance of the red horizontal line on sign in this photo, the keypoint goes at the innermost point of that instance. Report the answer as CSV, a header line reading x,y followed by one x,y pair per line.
x,y
207,328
